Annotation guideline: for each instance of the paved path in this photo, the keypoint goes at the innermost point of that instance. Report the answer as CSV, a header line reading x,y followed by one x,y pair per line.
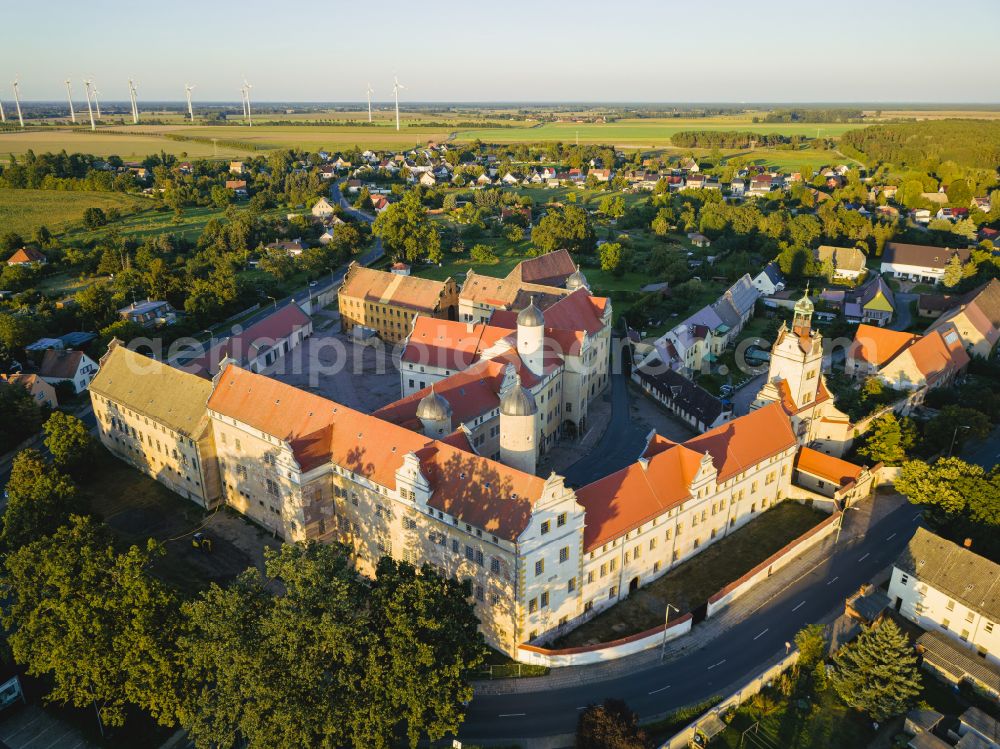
x,y
31,727
985,453
902,318
704,663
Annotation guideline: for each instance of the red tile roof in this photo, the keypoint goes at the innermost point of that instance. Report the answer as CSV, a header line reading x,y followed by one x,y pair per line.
x,y
636,494
26,255
476,490
876,345
59,364
258,337
827,467
744,442
447,344
550,269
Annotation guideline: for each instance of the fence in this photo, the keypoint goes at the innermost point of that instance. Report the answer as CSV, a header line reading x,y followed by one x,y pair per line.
x,y
605,651
775,562
682,739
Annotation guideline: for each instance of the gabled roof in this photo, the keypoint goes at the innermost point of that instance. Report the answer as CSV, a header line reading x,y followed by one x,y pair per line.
x,y
549,269
921,255
686,394
60,364
746,441
26,255
957,572
254,340
392,288
168,395
827,467
448,344
849,259
476,490
878,346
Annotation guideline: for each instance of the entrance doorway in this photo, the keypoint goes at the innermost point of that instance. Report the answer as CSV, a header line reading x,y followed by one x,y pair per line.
x,y
633,585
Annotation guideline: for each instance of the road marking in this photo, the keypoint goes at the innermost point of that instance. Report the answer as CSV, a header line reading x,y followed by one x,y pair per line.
x,y
799,606
716,664
917,516
891,537
835,579
867,554
760,635
582,708
660,689
512,715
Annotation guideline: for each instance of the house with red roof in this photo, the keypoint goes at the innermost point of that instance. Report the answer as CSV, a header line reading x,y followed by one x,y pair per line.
x,y
907,361
27,256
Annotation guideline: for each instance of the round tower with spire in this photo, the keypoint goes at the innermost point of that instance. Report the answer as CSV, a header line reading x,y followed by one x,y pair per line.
x,y
434,413
518,428
531,337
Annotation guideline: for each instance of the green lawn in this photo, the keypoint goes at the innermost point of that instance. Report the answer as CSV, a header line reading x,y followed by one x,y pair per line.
x,y
691,583
23,211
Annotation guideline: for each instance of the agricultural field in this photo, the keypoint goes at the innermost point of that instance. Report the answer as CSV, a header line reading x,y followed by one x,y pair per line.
x,y
22,211
643,133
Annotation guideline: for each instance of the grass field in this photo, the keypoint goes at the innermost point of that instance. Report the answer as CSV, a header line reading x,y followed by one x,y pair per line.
x,y
22,211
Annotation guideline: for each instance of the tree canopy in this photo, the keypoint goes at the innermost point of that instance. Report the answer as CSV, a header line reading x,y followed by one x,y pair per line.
x,y
406,231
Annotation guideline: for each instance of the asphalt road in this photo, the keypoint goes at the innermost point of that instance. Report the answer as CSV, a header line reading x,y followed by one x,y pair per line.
x,y
731,659
985,453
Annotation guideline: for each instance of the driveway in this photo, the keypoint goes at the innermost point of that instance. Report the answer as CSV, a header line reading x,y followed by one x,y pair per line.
x,y
903,318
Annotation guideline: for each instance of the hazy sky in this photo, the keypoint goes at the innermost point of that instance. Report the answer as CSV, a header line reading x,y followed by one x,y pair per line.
x,y
514,50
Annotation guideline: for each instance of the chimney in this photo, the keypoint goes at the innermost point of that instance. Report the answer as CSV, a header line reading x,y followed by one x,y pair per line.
x,y
968,543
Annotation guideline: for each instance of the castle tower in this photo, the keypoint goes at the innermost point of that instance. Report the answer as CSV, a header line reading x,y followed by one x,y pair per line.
x,y
518,428
531,337
577,280
796,360
434,413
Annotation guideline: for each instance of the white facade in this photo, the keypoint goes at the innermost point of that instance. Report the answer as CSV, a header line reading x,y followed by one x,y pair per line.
x,y
933,609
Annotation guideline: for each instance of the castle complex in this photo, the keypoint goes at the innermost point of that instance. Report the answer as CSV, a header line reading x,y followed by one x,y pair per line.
x,y
446,475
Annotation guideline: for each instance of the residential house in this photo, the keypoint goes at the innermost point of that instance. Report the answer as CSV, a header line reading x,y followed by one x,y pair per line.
x,y
689,165
738,187
919,263
323,208
949,588
149,313
387,303
906,361
153,417
848,262
975,318
872,302
601,175
238,187
694,181
41,392
27,256
290,247
379,203
427,180
770,280
760,184
698,239
75,367
236,167
683,397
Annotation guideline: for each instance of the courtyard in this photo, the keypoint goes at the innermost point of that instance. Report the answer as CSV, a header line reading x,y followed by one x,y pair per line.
x,y
690,584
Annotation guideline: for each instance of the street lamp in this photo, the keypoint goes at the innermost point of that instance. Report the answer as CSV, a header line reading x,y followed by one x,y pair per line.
x,y
273,300
954,436
666,620
840,525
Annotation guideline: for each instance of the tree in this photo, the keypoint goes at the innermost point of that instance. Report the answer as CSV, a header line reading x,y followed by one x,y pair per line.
x,y
482,253
94,621
10,241
329,662
661,224
877,673
221,197
20,416
952,489
612,255
406,231
364,200
811,645
94,218
613,206
954,426
952,270
888,439
69,441
611,725
39,499
568,228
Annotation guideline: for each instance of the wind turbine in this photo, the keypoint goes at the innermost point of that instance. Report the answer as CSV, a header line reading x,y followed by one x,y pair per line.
x,y
396,87
246,92
243,101
3,115
135,103
370,92
97,102
90,109
69,96
17,103
187,91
